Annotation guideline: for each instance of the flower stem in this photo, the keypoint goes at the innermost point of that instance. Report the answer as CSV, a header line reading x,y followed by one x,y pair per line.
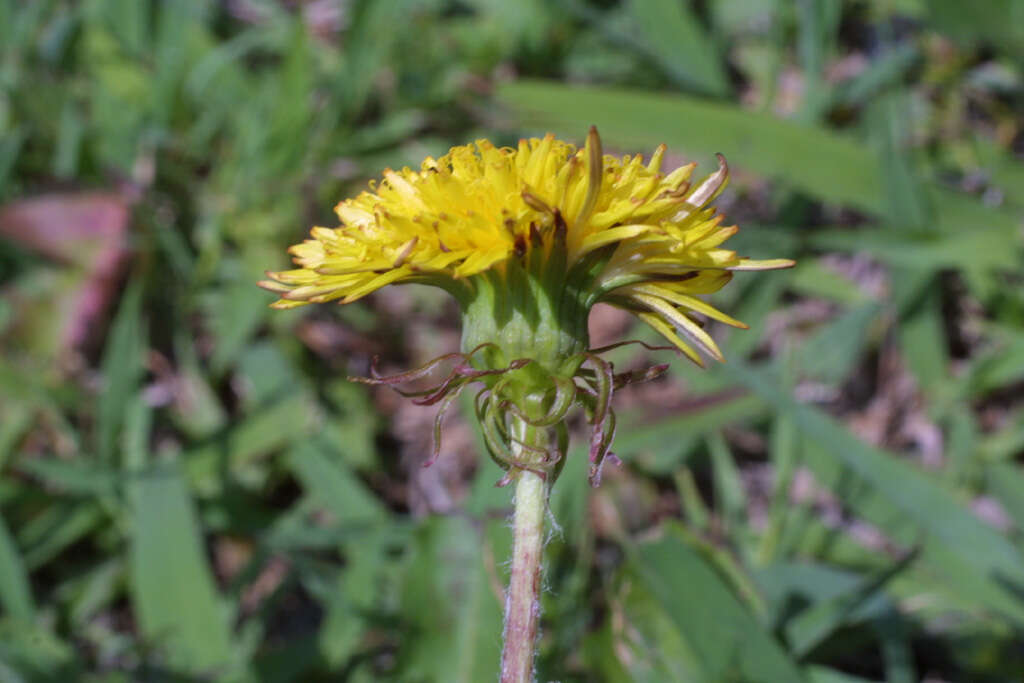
x,y
522,603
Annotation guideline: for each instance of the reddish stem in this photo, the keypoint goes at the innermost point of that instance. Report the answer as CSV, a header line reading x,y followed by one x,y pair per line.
x,y
522,604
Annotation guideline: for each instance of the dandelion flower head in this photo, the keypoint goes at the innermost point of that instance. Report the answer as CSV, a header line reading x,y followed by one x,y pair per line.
x,y
577,225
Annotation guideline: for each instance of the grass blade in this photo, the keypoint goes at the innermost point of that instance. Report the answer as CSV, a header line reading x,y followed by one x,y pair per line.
x,y
122,369
673,36
174,596
725,640
448,594
15,594
333,486
953,532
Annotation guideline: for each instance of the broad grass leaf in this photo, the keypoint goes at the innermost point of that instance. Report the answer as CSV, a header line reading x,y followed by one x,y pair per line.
x,y
122,369
448,597
1006,482
58,526
839,599
719,636
329,481
31,653
822,674
239,450
996,21
173,594
671,34
973,557
15,593
831,353
660,447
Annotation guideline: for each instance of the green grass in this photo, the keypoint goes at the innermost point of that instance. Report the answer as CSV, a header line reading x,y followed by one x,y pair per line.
x,y
192,491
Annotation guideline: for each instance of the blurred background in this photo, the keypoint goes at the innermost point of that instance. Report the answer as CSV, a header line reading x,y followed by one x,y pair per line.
x,y
192,491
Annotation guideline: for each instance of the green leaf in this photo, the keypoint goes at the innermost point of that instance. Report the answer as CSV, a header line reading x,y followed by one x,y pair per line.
x,y
329,481
831,353
997,367
819,24
267,429
785,451
16,419
81,476
696,511
1006,482
69,140
266,373
908,203
984,248
234,311
997,21
32,654
922,341
173,593
352,424
894,635
821,674
10,147
196,410
882,72
372,40
59,526
723,640
15,593
342,628
660,447
603,651
94,590
730,496
454,611
671,34
973,555
860,601
643,643
289,662
811,278
122,369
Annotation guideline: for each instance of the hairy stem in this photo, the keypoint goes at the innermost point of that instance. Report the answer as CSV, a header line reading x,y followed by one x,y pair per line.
x,y
522,603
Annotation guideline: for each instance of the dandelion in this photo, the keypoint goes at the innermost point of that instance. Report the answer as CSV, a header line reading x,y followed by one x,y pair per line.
x,y
527,240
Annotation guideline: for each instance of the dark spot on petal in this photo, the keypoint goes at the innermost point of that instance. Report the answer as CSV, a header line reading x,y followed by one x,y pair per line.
x,y
561,229
520,245
535,237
